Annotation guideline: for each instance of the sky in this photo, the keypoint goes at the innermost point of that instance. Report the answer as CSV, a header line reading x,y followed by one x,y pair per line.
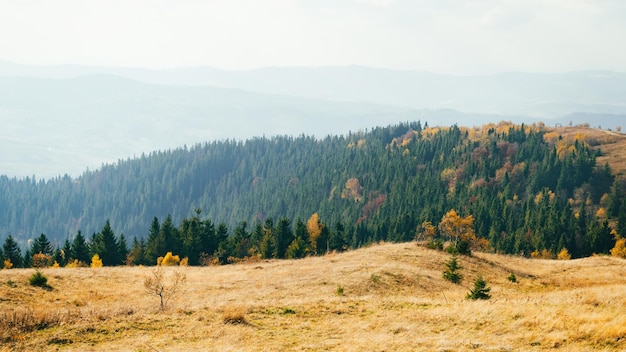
x,y
443,36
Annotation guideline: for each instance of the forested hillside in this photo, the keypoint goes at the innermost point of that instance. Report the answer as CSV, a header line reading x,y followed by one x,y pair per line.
x,y
527,189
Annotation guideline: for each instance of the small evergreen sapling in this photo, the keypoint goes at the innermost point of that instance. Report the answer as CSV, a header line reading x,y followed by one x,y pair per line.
x,y
40,280
480,290
512,278
452,270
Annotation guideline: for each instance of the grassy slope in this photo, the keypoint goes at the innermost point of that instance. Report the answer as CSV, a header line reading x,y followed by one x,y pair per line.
x,y
612,145
394,299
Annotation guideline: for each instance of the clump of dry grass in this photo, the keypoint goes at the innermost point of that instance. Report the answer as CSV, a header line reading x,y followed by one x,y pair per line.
x,y
234,314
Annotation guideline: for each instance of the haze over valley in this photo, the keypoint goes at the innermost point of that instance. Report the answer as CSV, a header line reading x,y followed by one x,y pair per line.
x,y
66,119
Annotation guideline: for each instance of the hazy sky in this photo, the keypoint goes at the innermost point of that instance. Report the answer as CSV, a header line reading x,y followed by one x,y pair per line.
x,y
446,36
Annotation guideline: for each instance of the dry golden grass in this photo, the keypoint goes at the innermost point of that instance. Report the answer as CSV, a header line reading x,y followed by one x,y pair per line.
x,y
394,299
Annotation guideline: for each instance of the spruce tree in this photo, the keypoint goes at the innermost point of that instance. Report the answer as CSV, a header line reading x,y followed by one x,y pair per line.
x,y
106,246
66,252
452,270
480,290
42,245
154,246
12,252
122,249
80,249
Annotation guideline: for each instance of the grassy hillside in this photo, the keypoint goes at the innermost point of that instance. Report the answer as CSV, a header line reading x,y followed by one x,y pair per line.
x,y
384,297
611,144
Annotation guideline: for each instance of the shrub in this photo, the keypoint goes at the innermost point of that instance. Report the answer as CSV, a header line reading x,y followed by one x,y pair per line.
x,y
7,264
564,255
168,260
38,279
512,278
480,290
452,270
436,244
41,260
74,264
339,290
155,285
96,262
620,248
544,254
461,247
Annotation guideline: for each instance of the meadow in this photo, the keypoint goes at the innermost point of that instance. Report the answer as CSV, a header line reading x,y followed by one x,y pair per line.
x,y
386,297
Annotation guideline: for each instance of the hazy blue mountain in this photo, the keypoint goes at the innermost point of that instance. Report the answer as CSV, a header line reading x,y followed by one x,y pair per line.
x,y
65,119
548,96
57,126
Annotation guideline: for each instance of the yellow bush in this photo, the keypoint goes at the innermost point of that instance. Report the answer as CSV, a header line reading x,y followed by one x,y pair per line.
x,y
74,264
56,264
96,262
168,260
7,264
564,255
620,248
184,261
544,254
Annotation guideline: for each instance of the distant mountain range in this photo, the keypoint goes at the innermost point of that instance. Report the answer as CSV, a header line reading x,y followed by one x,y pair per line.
x,y
65,119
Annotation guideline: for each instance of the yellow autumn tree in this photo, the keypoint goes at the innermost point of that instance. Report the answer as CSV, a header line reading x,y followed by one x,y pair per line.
x,y
96,262
620,248
460,231
314,227
168,260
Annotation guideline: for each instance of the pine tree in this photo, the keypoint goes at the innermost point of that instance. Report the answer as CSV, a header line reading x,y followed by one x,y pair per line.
x,y
154,246
12,252
170,236
66,252
106,246
480,290
137,253
80,249
338,240
284,236
452,273
122,249
42,245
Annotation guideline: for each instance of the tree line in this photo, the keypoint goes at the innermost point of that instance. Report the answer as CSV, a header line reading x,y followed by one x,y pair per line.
x,y
199,241
527,188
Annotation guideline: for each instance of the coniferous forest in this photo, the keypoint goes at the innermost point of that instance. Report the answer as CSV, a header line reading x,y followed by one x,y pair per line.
x,y
527,190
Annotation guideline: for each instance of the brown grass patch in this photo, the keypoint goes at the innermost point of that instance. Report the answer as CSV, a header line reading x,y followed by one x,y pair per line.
x,y
394,299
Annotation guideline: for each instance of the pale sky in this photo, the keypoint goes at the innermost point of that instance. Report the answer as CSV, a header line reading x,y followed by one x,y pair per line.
x,y
444,36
